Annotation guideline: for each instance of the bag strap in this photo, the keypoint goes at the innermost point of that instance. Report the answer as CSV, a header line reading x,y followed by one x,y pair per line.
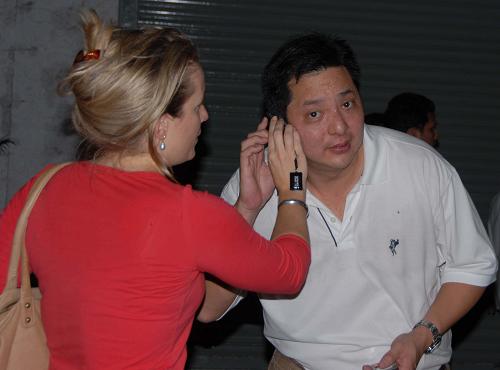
x,y
18,242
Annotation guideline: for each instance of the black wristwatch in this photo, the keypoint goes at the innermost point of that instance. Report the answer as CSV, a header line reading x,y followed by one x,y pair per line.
x,y
436,335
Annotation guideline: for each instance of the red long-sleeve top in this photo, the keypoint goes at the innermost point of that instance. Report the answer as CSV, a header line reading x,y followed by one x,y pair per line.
x,y
120,258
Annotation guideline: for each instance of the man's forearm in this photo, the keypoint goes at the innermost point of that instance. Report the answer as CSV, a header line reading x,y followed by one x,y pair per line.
x,y
248,215
217,300
453,301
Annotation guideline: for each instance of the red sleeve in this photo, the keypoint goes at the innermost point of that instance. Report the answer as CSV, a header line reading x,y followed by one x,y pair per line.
x,y
225,245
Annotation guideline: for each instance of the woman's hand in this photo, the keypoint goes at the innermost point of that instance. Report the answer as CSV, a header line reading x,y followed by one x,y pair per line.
x,y
286,156
256,182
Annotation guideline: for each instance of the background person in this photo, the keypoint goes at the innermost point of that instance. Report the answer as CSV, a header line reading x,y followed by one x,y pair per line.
x,y
120,249
413,114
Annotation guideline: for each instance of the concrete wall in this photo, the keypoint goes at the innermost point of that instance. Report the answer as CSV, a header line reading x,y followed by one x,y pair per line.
x,y
38,42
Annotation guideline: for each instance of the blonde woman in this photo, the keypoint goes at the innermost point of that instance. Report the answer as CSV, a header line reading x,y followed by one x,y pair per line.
x,y
120,249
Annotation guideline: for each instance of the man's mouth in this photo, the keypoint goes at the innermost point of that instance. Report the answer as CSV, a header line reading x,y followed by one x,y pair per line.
x,y
340,148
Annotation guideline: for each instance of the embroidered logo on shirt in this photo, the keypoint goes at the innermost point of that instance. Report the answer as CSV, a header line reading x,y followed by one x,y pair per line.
x,y
393,245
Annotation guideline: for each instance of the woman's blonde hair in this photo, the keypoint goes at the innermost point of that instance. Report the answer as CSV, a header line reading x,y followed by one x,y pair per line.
x,y
139,76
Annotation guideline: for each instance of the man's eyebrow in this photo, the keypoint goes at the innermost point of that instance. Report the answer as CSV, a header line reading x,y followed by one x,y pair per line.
x,y
320,100
314,101
346,92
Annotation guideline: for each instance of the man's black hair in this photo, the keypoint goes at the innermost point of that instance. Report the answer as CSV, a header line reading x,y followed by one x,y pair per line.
x,y
298,56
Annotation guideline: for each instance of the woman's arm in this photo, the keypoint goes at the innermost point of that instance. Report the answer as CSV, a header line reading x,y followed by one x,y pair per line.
x,y
257,180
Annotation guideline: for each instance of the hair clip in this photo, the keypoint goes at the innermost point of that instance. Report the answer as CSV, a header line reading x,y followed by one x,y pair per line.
x,y
88,55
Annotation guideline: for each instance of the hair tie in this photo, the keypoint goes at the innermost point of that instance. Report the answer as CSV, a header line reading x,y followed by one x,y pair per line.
x,y
87,55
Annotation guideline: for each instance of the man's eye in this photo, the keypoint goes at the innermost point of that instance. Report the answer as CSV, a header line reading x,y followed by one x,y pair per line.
x,y
314,114
347,104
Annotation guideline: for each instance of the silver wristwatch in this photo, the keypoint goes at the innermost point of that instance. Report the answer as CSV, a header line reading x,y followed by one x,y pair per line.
x,y
436,335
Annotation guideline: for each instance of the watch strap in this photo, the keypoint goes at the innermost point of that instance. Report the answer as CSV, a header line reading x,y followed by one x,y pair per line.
x,y
436,335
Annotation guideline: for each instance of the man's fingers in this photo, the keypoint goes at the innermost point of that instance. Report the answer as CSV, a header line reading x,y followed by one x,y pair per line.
x,y
299,152
252,149
261,133
388,361
272,127
263,124
253,141
288,138
277,135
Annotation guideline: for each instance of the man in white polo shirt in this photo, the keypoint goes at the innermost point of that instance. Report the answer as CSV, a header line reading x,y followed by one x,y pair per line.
x,y
399,253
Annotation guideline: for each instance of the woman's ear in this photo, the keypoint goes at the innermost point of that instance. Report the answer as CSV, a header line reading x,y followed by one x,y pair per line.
x,y
160,131
162,125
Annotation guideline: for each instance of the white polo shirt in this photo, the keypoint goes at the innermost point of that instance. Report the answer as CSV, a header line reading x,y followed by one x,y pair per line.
x,y
409,226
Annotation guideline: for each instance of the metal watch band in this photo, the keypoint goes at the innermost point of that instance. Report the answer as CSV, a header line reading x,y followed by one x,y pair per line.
x,y
436,335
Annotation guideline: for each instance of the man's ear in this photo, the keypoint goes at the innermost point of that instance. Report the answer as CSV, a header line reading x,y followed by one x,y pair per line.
x,y
413,131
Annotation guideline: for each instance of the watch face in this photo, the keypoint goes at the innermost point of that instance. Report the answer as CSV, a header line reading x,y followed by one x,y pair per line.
x,y
435,344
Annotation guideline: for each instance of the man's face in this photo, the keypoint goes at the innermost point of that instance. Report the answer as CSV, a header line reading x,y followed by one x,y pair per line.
x,y
327,112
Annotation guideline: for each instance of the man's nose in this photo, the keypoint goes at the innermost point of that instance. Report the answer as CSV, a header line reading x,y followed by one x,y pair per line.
x,y
337,124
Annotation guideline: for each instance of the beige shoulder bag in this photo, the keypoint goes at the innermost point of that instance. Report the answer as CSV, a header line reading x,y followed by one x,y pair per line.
x,y
22,337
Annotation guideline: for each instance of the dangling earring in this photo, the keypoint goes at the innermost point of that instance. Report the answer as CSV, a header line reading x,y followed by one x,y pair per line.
x,y
162,143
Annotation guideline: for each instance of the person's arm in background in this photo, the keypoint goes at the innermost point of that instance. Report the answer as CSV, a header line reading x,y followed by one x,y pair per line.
x,y
257,183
